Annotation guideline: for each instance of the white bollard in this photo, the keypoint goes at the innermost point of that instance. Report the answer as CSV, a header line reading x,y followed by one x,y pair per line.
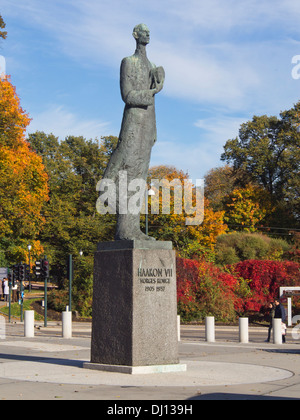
x,y
29,324
210,329
67,324
277,333
178,328
244,330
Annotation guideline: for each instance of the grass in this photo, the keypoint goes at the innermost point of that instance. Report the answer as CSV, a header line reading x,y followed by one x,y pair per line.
x,y
16,309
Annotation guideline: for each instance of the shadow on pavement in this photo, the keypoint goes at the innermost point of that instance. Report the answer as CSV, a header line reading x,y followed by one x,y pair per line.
x,y
219,396
39,359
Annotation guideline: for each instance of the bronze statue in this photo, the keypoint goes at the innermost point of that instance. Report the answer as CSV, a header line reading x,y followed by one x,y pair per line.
x,y
140,81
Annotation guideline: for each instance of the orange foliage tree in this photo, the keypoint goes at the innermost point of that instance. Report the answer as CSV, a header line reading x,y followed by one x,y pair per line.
x,y
190,241
23,180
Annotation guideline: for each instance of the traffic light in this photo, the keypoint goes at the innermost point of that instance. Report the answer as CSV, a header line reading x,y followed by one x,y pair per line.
x,y
16,272
11,277
38,268
45,269
22,272
27,272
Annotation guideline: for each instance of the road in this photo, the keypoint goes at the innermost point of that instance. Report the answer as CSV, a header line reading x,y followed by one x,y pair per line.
x,y
188,332
50,367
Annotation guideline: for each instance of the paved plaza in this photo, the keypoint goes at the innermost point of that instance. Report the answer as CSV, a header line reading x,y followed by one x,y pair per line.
x,y
48,367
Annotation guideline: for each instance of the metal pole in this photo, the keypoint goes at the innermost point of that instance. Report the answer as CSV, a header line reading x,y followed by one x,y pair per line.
x,y
29,248
146,211
70,281
45,302
22,295
9,301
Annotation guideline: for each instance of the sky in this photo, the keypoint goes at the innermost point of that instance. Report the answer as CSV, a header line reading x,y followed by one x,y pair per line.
x,y
225,61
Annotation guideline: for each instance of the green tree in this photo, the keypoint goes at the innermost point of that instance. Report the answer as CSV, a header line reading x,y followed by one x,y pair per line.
x,y
74,166
268,150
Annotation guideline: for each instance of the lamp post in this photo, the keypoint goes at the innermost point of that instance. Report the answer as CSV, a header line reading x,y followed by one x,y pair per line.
x,y
70,274
148,193
29,247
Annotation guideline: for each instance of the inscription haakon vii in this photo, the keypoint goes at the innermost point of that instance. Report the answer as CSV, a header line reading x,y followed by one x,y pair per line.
x,y
155,279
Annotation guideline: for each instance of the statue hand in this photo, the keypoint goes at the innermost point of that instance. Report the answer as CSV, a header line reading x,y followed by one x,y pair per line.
x,y
158,86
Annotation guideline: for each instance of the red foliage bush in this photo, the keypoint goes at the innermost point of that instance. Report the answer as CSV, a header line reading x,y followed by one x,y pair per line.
x,y
265,279
204,289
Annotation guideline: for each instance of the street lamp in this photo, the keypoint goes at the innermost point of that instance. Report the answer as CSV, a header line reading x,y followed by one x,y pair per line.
x,y
29,247
148,193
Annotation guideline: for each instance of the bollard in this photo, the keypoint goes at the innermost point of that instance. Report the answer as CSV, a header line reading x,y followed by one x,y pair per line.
x,y
67,324
210,329
29,324
178,328
244,330
277,333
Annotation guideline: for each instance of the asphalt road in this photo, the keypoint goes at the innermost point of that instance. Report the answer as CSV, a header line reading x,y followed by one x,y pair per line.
x,y
49,367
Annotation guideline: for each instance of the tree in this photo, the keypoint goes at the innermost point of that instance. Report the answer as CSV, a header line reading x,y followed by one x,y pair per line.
x,y
246,208
74,166
190,241
221,182
268,150
23,180
3,34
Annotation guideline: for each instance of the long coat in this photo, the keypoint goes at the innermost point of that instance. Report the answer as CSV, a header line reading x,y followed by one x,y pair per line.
x,y
138,130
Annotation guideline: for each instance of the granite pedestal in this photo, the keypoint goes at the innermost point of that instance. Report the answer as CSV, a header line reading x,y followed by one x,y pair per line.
x,y
135,308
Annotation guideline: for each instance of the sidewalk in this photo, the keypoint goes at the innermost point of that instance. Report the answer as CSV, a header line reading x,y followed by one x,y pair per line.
x,y
50,367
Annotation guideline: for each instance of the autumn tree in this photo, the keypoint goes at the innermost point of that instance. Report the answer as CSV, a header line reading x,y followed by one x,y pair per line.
x,y
220,182
189,240
3,34
246,208
23,180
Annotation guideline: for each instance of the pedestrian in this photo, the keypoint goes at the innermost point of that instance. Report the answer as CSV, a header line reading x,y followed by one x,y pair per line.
x,y
283,331
15,292
271,317
5,289
1,289
280,314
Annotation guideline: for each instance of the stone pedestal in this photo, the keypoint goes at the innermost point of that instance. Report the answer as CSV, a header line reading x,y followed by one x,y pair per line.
x,y
135,308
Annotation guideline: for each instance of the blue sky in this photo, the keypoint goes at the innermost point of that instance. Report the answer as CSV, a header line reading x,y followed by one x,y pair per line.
x,y
225,61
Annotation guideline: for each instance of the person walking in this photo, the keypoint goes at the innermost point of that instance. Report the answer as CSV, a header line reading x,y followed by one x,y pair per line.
x,y
5,289
271,317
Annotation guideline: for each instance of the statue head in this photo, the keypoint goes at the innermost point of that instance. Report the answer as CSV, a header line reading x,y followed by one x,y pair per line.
x,y
141,34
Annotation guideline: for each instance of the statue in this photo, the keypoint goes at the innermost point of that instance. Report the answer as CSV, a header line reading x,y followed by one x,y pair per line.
x,y
140,81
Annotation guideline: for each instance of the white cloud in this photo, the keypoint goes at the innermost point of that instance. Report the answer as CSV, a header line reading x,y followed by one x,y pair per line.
x,y
199,156
220,127
62,123
231,55
214,52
